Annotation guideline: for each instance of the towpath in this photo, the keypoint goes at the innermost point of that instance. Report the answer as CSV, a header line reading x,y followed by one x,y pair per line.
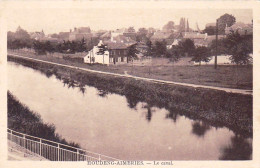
x,y
229,90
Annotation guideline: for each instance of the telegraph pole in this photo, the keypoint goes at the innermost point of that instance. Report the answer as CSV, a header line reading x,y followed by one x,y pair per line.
x,y
216,56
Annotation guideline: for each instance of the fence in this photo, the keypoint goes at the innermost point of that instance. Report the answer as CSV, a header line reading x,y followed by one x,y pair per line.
x,y
54,151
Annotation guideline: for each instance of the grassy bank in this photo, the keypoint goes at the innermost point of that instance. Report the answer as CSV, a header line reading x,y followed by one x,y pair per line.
x,y
229,76
22,119
218,108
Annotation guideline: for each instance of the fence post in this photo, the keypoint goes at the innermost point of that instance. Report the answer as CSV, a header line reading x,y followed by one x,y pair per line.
x,y
11,135
77,154
40,147
24,140
58,152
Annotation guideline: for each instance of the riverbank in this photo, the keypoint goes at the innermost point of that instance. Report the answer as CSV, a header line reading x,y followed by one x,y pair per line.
x,y
229,76
22,119
218,108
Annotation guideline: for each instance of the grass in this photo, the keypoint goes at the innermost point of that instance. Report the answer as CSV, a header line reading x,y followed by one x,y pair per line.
x,y
22,119
230,76
218,108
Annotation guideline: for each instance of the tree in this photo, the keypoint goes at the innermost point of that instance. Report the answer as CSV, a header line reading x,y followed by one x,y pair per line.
x,y
149,49
210,30
186,47
239,47
159,49
201,54
39,47
132,52
168,27
225,20
172,54
101,50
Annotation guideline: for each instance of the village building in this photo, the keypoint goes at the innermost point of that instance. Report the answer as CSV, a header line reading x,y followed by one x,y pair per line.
x,y
200,39
37,35
162,36
118,52
93,56
80,33
241,28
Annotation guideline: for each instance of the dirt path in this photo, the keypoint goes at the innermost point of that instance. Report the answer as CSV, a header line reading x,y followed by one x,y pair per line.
x,y
230,90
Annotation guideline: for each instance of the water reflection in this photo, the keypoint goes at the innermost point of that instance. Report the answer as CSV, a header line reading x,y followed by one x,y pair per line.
x,y
172,115
148,115
124,120
199,128
102,93
239,149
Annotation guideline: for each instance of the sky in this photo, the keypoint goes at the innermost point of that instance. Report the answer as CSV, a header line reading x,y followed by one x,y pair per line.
x,y
54,20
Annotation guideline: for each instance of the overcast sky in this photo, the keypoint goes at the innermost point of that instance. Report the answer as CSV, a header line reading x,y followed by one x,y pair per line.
x,y
56,20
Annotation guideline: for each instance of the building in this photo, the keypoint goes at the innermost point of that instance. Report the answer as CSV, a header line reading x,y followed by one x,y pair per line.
x,y
118,52
37,35
80,33
93,56
162,36
241,28
201,39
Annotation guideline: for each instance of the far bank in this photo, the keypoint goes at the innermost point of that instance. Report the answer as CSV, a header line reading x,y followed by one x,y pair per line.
x,y
217,107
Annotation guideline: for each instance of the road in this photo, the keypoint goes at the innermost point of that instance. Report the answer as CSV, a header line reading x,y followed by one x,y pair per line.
x,y
229,90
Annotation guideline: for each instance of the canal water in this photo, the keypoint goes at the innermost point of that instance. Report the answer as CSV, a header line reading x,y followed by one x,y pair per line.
x,y
107,124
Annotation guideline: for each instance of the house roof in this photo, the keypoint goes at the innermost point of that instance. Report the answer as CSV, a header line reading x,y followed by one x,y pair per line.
x,y
194,35
241,26
161,35
116,45
106,35
124,39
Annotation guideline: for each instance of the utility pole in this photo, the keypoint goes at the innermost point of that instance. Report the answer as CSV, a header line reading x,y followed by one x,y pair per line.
x,y
216,56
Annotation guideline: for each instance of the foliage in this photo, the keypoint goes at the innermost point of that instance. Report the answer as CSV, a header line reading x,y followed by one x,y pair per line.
x,y
102,48
239,47
132,52
149,49
210,30
168,27
22,119
159,49
225,20
186,47
201,54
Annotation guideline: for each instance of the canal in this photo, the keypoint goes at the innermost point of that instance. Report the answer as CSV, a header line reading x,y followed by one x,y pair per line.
x,y
110,124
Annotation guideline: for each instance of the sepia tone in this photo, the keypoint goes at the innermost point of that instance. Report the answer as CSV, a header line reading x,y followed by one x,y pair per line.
x,y
180,88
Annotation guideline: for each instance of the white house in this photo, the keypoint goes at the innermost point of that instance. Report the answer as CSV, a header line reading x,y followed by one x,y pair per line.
x,y
93,56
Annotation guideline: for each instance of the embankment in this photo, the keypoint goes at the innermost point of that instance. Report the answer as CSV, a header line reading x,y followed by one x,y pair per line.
x,y
22,119
218,108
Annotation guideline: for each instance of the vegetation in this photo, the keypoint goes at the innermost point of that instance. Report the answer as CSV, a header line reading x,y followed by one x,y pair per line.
x,y
201,54
225,20
219,108
22,119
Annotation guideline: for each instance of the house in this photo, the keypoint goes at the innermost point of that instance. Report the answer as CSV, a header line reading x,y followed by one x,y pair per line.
x,y
106,36
161,36
37,35
64,36
93,56
118,52
241,28
201,39
80,33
